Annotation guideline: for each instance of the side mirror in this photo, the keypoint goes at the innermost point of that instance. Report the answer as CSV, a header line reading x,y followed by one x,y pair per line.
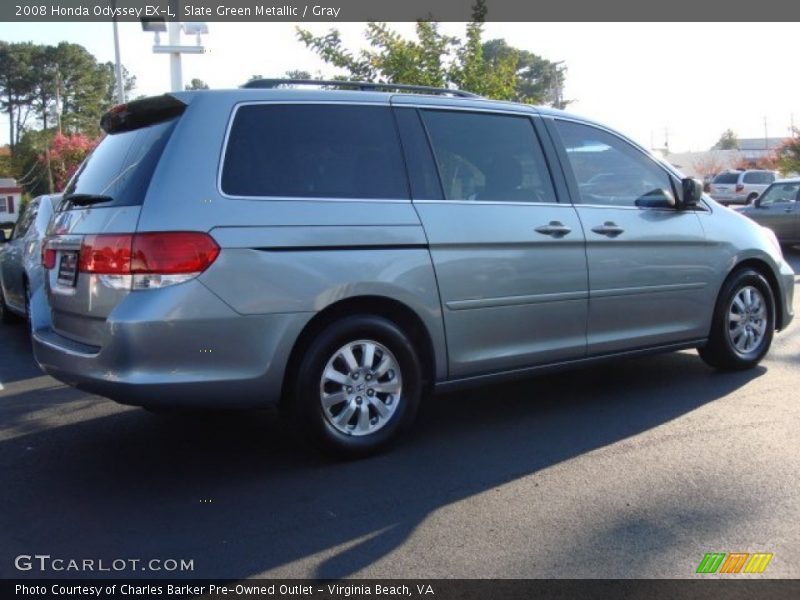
x,y
657,198
692,192
757,202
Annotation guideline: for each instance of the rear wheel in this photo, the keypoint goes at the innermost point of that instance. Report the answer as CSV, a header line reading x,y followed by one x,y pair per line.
x,y
358,385
743,324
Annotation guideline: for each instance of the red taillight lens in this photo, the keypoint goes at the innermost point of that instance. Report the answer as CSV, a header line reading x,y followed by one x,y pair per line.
x,y
48,257
106,254
171,253
739,187
166,253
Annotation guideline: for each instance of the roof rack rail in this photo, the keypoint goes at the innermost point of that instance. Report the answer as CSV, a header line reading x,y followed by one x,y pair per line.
x,y
359,85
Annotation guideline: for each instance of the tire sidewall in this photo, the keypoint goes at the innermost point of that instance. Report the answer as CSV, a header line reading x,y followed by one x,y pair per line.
x,y
308,407
742,279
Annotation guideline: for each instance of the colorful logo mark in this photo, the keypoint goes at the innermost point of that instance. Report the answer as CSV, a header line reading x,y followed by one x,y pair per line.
x,y
736,562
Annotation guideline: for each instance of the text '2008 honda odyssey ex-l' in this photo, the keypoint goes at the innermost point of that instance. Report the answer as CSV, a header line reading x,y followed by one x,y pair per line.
x,y
344,252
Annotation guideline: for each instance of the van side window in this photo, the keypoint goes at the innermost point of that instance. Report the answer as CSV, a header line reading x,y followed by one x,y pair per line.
x,y
608,170
314,151
488,157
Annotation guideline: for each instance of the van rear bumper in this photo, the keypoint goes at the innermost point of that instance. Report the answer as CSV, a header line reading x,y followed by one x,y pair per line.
x,y
157,352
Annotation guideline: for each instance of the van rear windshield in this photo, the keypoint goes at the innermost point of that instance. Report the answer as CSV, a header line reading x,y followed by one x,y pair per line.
x,y
726,178
120,167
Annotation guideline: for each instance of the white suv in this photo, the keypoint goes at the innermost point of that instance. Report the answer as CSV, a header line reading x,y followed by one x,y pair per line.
x,y
740,186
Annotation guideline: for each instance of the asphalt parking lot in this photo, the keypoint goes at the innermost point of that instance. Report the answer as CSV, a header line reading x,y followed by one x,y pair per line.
x,y
631,469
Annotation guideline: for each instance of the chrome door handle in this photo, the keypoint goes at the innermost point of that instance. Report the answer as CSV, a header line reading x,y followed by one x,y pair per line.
x,y
554,228
609,228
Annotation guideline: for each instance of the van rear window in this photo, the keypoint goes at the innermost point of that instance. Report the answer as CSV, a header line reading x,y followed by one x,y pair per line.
x,y
726,178
121,166
314,151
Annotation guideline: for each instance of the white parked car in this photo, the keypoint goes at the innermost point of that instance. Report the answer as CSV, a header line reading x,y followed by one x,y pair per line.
x,y
740,186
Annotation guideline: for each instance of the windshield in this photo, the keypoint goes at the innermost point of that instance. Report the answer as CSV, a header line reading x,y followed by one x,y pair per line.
x,y
120,167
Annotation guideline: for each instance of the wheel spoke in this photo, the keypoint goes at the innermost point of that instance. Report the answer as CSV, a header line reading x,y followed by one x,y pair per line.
x,y
363,418
332,374
369,355
382,410
748,297
383,366
738,303
349,358
332,400
343,418
734,317
387,387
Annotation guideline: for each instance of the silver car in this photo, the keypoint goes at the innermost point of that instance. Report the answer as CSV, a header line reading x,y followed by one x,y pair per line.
x,y
779,209
344,253
21,272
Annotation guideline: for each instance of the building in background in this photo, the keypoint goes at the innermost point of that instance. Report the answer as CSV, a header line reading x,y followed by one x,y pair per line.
x,y
10,199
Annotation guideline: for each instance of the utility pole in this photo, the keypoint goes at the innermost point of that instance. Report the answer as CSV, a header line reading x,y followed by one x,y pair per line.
x,y
58,99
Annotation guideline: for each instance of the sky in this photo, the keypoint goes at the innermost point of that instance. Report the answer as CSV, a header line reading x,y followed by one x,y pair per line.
x,y
687,82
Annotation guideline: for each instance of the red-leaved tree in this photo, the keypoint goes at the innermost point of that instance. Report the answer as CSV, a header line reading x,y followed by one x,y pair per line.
x,y
66,154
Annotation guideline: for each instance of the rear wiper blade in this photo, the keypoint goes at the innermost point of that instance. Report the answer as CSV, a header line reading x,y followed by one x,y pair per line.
x,y
86,199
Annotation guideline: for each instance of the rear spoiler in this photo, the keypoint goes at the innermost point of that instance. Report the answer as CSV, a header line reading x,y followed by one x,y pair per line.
x,y
141,113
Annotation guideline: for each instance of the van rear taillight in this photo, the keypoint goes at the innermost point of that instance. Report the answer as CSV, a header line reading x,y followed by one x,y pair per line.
x,y
106,254
739,187
48,257
173,253
143,260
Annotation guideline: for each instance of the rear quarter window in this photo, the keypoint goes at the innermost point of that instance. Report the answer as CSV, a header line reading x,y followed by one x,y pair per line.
x,y
314,151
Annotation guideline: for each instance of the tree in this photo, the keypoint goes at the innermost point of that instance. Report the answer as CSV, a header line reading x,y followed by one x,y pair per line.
x,y
66,154
16,87
788,154
727,141
539,81
708,164
438,60
196,84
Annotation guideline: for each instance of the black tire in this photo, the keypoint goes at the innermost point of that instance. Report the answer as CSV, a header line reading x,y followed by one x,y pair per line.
x,y
720,352
6,316
751,198
318,423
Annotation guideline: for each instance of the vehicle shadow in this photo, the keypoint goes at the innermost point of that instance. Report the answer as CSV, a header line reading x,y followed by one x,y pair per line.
x,y
240,495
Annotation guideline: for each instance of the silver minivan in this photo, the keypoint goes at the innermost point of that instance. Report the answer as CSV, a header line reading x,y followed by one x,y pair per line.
x,y
344,253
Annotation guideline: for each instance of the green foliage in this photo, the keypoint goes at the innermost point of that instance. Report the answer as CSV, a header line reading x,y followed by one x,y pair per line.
x,y
539,81
196,84
38,80
727,141
788,155
438,60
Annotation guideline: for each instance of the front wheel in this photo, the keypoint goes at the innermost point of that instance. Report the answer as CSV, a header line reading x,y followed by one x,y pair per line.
x,y
743,323
359,385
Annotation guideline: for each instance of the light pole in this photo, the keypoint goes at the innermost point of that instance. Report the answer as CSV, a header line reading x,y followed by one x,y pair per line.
x,y
118,64
174,48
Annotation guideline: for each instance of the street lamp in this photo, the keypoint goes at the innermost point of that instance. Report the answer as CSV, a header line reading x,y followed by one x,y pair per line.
x,y
174,48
